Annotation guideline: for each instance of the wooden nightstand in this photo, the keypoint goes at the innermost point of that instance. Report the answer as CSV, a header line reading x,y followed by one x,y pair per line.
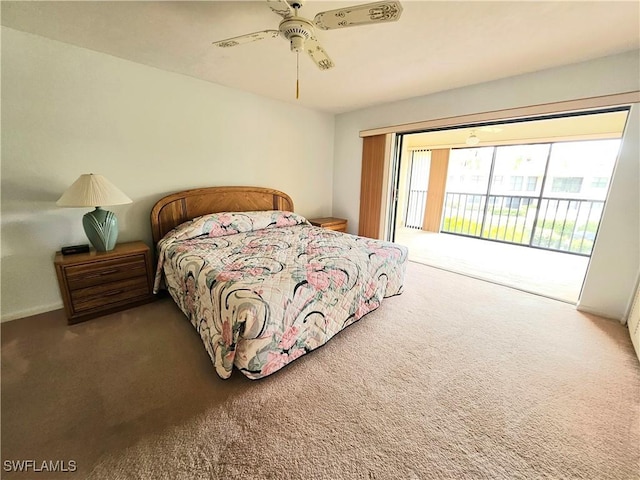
x,y
96,283
330,223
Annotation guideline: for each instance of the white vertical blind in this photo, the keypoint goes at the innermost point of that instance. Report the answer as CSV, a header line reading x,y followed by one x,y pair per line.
x,y
418,186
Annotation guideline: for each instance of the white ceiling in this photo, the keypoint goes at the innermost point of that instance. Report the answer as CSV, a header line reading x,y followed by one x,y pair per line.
x,y
434,46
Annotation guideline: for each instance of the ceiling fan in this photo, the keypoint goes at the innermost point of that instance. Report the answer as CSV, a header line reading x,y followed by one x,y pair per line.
x,y
301,33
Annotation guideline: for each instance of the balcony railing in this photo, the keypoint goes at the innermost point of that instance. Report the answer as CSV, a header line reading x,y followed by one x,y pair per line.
x,y
416,201
561,224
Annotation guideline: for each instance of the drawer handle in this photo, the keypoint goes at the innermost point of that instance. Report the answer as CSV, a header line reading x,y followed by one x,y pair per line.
x,y
111,294
100,274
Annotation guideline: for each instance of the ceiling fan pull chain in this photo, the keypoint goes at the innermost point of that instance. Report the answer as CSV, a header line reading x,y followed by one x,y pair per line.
x,y
297,75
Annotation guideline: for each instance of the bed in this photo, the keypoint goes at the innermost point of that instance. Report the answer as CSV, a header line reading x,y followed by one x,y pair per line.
x,y
259,283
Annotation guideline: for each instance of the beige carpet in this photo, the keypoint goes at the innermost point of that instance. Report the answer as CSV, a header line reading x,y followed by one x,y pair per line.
x,y
454,379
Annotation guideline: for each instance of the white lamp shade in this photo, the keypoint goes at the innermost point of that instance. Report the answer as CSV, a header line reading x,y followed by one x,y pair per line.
x,y
92,191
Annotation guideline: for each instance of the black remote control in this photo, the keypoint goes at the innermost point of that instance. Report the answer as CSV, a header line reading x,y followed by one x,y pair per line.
x,y
71,249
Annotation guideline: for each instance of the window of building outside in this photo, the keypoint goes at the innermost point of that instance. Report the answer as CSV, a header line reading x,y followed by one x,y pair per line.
x,y
566,184
516,182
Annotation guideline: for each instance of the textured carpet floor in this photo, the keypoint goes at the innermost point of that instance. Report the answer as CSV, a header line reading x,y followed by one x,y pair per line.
x,y
454,379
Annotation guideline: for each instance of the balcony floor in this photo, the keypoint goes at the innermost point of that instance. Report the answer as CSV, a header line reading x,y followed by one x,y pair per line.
x,y
543,272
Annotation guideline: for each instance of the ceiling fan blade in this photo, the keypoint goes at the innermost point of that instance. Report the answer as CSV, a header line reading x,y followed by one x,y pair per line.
x,y
281,7
359,15
318,54
249,37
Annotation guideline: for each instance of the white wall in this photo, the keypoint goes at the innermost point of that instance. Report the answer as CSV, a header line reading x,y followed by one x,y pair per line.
x,y
68,111
616,257
615,261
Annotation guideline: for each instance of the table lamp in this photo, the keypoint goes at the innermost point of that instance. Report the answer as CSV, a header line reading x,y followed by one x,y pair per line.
x,y
100,226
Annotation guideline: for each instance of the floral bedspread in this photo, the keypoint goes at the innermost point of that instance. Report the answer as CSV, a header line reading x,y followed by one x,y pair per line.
x,y
264,288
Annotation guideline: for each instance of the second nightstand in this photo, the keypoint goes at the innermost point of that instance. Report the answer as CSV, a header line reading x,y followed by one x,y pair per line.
x,y
97,283
331,223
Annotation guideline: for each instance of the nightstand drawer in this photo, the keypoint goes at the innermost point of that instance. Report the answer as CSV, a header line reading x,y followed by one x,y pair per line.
x,y
99,273
97,283
104,295
337,228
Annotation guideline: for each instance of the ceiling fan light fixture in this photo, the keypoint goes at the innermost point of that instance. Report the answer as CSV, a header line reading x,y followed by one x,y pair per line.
x,y
472,140
297,43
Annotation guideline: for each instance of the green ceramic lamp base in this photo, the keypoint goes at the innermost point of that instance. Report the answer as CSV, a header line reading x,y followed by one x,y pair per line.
x,y
101,228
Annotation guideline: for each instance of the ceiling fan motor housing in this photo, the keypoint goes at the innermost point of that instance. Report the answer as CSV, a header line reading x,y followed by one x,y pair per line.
x,y
296,30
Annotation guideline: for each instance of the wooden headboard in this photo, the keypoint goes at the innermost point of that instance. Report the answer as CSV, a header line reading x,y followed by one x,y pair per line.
x,y
177,208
